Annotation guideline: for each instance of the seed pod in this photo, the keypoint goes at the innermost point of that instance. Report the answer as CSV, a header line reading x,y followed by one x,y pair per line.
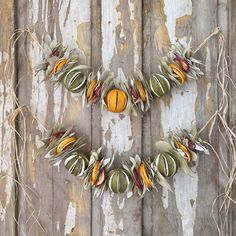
x,y
137,180
75,80
166,164
159,85
76,163
118,181
116,100
179,72
185,150
64,144
141,90
58,65
145,176
182,63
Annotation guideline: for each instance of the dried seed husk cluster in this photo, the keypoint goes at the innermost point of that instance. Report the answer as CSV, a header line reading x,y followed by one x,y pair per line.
x,y
178,151
61,65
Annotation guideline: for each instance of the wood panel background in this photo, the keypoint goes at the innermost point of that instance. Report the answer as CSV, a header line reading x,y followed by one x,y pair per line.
x,y
120,35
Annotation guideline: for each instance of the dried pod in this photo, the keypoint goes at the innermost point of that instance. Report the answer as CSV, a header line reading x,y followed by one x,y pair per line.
x,y
137,180
166,164
95,173
64,144
75,80
76,163
116,100
159,85
179,72
182,63
118,181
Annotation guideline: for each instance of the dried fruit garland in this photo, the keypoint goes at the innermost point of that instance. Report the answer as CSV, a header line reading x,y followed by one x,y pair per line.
x,y
178,151
61,65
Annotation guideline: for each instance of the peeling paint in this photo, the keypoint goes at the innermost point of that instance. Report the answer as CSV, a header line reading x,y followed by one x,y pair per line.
x,y
185,188
70,218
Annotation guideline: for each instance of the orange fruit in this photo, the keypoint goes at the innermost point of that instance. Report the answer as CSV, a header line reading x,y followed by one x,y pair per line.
x,y
116,100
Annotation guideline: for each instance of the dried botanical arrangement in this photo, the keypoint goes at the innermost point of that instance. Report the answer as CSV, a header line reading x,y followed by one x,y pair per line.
x,y
138,175
61,65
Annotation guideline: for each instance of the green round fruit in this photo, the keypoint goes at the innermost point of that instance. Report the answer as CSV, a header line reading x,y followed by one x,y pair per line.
x,y
75,80
118,181
167,164
159,85
76,163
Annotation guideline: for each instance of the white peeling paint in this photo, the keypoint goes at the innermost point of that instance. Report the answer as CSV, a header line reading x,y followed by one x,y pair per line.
x,y
110,19
6,106
173,10
110,224
77,14
39,95
185,187
70,218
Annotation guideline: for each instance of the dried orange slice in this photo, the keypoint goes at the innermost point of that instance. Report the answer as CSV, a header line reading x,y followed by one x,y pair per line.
x,y
95,172
181,75
64,144
58,65
185,150
91,88
144,176
141,90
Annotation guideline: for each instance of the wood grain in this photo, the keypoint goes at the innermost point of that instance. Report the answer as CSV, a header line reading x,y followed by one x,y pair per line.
x,y
7,162
119,35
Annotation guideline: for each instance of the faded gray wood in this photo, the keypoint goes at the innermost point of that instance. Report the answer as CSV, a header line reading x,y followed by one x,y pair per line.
x,y
120,36
7,162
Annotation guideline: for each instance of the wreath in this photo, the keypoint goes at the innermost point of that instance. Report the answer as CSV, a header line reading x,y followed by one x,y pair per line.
x,y
178,151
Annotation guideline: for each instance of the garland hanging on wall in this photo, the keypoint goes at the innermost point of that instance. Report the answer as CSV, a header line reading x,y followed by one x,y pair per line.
x,y
175,69
137,175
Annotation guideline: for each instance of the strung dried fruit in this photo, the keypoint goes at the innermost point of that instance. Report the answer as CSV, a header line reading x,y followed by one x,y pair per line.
x,y
144,175
91,88
58,65
185,150
166,164
75,80
64,144
182,63
118,181
116,100
76,163
159,85
141,90
179,72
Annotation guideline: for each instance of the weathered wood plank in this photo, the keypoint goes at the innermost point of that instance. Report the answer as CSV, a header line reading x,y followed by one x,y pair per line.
x,y
63,210
184,212
7,195
121,53
231,6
